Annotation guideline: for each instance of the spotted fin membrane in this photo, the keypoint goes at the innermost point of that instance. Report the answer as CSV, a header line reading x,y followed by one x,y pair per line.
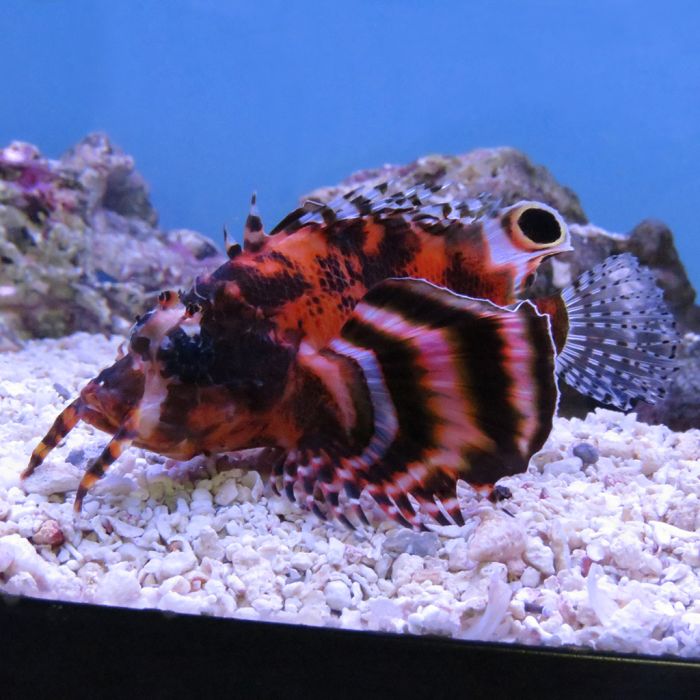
x,y
452,387
423,203
622,339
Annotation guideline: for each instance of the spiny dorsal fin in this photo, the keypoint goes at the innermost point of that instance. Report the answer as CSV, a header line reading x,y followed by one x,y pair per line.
x,y
232,249
253,231
622,339
426,204
455,388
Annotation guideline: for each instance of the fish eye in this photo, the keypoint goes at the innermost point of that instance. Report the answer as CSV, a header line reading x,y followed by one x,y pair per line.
x,y
534,226
540,225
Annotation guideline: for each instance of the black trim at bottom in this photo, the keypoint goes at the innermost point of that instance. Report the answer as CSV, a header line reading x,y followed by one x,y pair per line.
x,y
75,650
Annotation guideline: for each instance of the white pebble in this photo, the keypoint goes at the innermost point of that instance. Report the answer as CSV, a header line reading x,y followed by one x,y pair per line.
x,y
179,584
301,561
403,540
7,556
177,563
458,555
435,620
539,556
626,550
597,551
337,595
267,605
124,529
207,544
569,465
201,494
247,613
405,568
54,477
530,577
227,493
22,583
336,550
497,538
180,603
351,619
118,586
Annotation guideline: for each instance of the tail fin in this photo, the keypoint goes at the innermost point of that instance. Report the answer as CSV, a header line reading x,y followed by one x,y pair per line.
x,y
622,339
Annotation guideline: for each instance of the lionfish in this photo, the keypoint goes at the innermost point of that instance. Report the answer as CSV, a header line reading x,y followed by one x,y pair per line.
x,y
381,343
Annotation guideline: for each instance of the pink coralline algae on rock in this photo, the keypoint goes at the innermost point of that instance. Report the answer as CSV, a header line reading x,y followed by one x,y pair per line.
x,y
30,182
79,244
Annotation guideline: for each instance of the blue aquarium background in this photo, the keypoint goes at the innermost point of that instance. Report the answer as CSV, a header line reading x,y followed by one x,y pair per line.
x,y
217,98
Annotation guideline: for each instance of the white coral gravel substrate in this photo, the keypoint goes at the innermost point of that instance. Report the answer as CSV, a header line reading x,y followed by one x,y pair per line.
x,y
601,547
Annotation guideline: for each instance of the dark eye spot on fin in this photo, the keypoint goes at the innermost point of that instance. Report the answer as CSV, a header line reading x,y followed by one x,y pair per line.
x,y
622,339
457,388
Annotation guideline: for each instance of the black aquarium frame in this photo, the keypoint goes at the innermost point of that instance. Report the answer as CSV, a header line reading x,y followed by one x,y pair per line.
x,y
76,650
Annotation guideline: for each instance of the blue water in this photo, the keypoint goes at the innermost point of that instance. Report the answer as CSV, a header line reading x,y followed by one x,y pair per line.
x,y
215,99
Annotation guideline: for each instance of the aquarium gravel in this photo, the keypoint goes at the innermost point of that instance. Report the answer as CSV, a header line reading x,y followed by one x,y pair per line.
x,y
598,547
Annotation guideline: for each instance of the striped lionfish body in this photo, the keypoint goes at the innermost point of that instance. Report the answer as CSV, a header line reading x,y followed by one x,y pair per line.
x,y
380,343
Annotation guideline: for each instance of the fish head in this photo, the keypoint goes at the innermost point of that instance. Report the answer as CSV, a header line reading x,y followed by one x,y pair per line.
x,y
183,384
525,234
188,383
112,395
132,390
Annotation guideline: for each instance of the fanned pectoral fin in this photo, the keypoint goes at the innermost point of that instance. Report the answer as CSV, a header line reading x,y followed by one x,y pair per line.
x,y
454,387
622,339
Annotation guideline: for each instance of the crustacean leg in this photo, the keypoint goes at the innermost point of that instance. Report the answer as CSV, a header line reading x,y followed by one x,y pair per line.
x,y
121,441
65,422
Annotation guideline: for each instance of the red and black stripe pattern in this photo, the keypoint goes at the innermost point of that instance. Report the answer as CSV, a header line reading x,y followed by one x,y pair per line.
x,y
454,387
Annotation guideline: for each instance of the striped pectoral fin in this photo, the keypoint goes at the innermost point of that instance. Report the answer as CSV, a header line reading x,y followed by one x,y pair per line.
x,y
323,484
418,492
622,340
456,387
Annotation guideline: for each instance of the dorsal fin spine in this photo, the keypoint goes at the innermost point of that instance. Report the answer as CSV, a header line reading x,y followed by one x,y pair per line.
x,y
253,232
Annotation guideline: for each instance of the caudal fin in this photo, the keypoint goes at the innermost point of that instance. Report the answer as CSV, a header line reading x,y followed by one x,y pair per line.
x,y
622,339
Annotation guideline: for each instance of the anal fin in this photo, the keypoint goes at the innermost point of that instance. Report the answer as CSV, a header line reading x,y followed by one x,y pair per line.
x,y
454,388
